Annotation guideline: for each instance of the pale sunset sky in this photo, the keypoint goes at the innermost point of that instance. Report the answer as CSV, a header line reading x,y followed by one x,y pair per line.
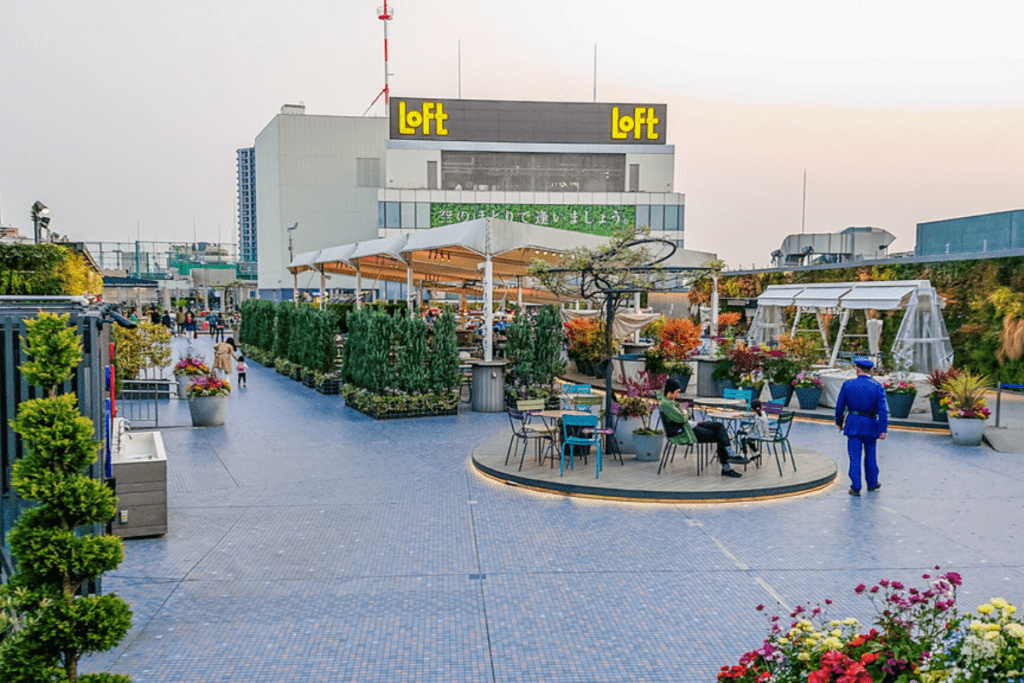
x,y
125,116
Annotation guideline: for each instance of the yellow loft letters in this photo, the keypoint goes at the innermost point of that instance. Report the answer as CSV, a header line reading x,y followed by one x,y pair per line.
x,y
409,121
642,119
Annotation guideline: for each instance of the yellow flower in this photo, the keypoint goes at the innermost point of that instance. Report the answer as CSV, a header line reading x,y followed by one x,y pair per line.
x,y
976,625
836,632
1015,630
999,603
834,622
832,643
991,635
985,609
803,657
783,641
850,621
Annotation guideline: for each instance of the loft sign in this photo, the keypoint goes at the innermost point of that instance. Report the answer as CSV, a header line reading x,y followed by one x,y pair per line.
x,y
642,119
413,121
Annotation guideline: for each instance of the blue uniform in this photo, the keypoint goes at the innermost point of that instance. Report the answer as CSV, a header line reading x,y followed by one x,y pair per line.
x,y
865,396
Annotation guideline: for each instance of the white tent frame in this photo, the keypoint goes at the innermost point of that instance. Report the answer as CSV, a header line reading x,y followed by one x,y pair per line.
x,y
922,342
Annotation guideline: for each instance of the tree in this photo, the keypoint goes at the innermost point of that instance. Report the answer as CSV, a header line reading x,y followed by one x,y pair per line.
x,y
608,275
444,355
57,626
283,329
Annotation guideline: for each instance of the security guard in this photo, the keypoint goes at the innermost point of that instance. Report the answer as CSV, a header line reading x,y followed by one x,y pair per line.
x,y
862,415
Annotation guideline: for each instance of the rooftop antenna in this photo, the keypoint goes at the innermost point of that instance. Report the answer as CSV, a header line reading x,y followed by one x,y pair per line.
x,y
803,210
595,72
385,15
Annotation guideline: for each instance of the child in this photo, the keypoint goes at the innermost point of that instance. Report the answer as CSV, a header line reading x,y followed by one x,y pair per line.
x,y
241,371
757,429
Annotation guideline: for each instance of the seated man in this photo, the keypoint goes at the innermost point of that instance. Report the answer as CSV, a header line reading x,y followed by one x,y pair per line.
x,y
706,432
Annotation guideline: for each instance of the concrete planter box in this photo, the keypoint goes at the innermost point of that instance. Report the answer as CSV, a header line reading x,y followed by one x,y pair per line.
x,y
139,469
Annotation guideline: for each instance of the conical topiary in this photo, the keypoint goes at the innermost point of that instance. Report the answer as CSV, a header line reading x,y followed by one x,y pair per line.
x,y
55,626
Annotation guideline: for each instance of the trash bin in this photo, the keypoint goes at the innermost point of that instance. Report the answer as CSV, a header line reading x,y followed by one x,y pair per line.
x,y
706,385
488,386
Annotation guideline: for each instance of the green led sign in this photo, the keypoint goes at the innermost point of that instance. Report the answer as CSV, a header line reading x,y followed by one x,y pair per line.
x,y
596,219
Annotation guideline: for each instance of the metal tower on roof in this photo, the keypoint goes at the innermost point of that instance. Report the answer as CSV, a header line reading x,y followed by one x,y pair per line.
x,y
385,15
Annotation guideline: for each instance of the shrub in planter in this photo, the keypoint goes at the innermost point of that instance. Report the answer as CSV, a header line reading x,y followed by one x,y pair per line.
x,y
54,626
899,396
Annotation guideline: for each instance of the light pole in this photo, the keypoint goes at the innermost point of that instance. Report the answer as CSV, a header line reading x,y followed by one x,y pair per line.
x,y
40,219
291,257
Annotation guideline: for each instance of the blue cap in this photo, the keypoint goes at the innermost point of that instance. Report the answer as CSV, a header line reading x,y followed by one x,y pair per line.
x,y
862,362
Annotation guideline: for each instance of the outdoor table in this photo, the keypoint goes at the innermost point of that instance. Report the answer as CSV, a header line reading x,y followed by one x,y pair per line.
x,y
716,402
732,419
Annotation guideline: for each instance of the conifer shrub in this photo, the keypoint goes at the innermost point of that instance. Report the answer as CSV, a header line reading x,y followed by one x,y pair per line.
x,y
46,625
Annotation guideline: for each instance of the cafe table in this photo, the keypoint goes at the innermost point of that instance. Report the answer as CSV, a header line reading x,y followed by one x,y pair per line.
x,y
733,421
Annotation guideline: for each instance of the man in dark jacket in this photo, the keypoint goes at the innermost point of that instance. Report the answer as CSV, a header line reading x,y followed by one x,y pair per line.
x,y
862,415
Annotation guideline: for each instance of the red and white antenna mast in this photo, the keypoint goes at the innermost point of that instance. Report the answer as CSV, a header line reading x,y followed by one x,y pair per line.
x,y
385,15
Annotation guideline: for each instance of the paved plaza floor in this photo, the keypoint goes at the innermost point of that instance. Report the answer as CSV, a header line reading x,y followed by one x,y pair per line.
x,y
310,543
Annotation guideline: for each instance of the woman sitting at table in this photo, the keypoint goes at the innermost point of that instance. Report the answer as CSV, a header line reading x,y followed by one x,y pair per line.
x,y
706,432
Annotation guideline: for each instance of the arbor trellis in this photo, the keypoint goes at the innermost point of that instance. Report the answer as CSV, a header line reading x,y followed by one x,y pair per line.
x,y
624,266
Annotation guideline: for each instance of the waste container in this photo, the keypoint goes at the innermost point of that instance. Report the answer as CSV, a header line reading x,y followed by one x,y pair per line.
x,y
488,386
706,385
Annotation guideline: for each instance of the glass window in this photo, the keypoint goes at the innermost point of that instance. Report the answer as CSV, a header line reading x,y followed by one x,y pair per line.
x,y
408,214
671,217
682,210
422,215
393,215
658,217
643,215
380,214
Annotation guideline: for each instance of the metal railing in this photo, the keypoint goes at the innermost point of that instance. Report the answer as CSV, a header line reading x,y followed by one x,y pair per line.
x,y
139,400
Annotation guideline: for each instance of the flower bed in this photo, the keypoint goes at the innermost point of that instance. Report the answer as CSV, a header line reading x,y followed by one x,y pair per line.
x,y
387,407
916,636
210,385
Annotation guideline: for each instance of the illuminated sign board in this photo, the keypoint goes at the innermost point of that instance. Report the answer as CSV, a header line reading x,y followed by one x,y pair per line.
x,y
596,219
537,122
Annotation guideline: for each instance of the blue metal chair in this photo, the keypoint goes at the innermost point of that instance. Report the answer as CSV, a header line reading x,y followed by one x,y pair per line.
x,y
741,394
577,388
579,430
780,437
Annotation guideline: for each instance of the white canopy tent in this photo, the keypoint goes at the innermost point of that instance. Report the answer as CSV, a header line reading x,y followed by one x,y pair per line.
x,y
465,257
922,341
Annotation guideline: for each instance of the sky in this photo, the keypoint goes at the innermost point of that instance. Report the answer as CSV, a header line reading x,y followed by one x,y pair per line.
x,y
124,116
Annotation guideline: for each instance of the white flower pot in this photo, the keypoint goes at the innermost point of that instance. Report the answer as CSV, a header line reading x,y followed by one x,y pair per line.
x,y
183,382
967,431
207,411
648,447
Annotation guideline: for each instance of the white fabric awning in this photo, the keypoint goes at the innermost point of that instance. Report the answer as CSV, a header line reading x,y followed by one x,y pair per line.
x,y
821,297
880,298
304,262
779,295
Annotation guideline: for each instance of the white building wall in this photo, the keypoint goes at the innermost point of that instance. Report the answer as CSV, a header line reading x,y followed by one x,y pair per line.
x,y
407,168
656,171
308,175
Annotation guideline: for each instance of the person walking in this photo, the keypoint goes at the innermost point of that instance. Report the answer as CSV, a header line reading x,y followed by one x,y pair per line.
x,y
863,416
219,323
179,318
190,328
706,432
211,321
241,370
223,352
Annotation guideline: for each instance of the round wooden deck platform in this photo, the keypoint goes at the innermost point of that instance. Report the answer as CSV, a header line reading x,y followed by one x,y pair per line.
x,y
639,481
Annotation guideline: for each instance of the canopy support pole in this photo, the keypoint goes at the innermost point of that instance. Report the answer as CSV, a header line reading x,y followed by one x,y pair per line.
x,y
714,304
323,287
636,309
488,310
839,337
410,292
519,293
359,289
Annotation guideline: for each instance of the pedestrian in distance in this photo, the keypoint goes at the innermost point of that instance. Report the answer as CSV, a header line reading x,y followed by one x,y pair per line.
x,y
220,328
706,432
223,352
179,318
241,370
167,322
190,328
757,429
863,416
211,321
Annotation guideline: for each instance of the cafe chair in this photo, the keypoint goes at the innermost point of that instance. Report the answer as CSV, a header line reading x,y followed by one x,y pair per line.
x,y
779,441
738,394
587,403
523,432
685,438
609,433
579,430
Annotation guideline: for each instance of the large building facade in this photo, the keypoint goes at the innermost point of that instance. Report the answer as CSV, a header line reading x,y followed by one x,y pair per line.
x,y
246,166
589,167
991,232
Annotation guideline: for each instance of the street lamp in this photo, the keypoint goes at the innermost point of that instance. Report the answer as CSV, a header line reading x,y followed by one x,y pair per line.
x,y
291,257
40,219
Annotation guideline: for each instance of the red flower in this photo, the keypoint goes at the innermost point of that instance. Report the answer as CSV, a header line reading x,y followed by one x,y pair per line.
x,y
868,658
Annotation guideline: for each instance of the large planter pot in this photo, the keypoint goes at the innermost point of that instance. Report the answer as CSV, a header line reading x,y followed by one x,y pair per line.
x,y
684,381
183,382
723,384
939,413
599,369
808,397
208,411
624,433
781,392
648,446
966,431
900,405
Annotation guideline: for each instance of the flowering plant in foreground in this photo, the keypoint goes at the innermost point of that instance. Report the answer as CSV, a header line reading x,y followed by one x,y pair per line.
x,y
916,636
191,366
210,385
807,380
900,387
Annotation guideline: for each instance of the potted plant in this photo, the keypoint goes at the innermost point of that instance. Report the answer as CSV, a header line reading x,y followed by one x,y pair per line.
x,y
186,369
734,361
647,442
636,409
753,382
900,395
938,379
585,338
207,400
807,385
966,406
779,371
678,340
